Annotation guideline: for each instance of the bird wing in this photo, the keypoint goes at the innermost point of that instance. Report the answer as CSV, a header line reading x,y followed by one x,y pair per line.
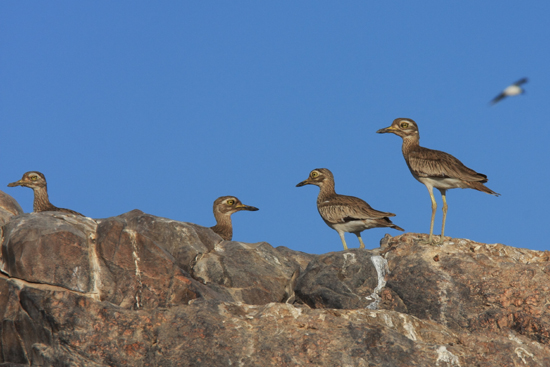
x,y
425,162
342,208
521,81
498,98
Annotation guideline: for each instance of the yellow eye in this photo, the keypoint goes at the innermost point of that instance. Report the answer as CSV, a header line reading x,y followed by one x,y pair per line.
x,y
404,125
34,178
314,174
230,202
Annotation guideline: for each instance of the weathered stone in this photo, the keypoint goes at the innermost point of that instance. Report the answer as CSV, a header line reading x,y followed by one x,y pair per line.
x,y
253,273
9,207
184,241
50,248
301,258
87,332
473,286
155,292
134,271
345,280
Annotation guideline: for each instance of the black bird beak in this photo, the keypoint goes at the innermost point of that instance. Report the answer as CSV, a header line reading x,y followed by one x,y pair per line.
x,y
303,183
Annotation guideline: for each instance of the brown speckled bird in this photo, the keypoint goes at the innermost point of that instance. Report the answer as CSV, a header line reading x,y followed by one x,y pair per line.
x,y
435,168
223,208
36,181
345,213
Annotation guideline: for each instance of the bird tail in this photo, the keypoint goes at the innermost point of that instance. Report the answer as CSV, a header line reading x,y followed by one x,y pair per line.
x,y
388,223
481,187
398,228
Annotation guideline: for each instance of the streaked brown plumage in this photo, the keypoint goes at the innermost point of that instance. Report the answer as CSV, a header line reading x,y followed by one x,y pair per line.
x,y
37,181
434,168
223,208
345,213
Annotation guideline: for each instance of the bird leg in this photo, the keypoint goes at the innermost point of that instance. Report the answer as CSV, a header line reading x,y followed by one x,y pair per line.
x,y
361,244
434,207
444,197
343,240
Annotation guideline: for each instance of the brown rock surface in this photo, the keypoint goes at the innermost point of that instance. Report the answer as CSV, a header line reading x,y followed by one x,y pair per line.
x,y
150,291
9,207
473,286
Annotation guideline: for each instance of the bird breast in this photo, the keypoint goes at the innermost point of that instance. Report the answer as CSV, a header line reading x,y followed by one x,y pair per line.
x,y
443,183
353,225
512,90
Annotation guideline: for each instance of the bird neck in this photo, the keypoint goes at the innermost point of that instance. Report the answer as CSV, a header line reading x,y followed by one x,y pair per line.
x,y
223,226
410,143
326,191
41,200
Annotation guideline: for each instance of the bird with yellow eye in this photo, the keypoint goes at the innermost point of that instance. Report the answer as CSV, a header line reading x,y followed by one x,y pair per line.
x,y
434,168
224,207
37,181
345,213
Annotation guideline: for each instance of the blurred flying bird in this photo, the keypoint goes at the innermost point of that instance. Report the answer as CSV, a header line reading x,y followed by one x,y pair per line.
x,y
512,90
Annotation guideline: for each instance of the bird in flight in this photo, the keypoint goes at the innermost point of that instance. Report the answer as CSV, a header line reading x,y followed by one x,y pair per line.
x,y
511,90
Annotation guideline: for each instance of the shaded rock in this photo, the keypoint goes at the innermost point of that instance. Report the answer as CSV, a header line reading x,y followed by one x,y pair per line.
x,y
135,271
50,248
253,273
301,258
184,241
111,261
347,280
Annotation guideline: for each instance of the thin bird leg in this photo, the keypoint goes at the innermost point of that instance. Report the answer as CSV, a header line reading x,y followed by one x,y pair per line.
x,y
434,207
444,197
362,245
343,240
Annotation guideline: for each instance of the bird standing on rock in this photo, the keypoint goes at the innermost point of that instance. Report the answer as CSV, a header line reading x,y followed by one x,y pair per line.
x,y
37,181
223,208
434,168
345,213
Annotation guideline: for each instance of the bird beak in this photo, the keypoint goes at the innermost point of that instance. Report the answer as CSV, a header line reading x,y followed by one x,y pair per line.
x,y
389,129
246,207
303,183
16,183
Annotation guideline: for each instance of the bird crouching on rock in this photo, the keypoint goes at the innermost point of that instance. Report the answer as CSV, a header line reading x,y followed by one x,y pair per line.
x,y
37,181
223,208
345,213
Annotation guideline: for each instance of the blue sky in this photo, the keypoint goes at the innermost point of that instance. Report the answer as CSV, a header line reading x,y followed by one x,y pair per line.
x,y
165,106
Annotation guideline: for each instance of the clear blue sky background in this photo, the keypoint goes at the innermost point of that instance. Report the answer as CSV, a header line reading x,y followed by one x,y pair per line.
x,y
164,106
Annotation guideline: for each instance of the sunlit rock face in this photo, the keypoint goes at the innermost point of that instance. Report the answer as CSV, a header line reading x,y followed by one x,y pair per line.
x,y
140,290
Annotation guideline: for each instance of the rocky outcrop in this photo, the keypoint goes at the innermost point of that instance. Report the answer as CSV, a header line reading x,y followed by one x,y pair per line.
x,y
139,290
470,286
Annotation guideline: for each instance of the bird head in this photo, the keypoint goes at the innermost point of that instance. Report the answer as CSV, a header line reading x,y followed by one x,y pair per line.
x,y
402,127
32,179
317,177
228,205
